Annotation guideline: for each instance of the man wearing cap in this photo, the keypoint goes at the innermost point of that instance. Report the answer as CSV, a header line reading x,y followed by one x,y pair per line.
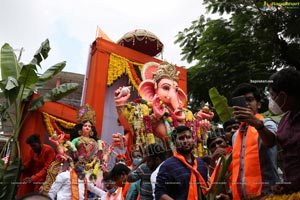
x,y
217,146
180,176
230,127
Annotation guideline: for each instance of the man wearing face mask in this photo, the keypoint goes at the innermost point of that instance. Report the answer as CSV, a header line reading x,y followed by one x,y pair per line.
x,y
112,190
72,184
156,157
254,152
144,169
284,89
133,189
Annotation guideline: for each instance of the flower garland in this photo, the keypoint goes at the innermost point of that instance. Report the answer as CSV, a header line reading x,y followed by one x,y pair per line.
x,y
131,78
139,115
51,125
118,66
48,124
134,75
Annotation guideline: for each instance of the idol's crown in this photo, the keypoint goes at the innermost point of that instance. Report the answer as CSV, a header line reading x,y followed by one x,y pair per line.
x,y
165,70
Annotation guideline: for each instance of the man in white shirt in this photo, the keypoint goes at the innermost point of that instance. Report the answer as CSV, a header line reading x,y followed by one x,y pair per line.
x,y
153,178
73,184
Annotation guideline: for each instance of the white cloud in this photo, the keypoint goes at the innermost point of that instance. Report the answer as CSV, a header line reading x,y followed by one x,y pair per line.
x,y
71,25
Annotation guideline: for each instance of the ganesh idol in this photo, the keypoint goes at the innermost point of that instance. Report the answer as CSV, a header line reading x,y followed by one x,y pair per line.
x,y
162,107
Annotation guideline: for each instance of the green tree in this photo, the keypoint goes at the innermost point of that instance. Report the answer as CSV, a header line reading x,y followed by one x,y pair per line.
x,y
249,44
19,82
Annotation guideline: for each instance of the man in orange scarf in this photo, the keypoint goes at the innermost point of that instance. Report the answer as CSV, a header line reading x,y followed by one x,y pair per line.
x,y
181,175
73,185
218,147
254,153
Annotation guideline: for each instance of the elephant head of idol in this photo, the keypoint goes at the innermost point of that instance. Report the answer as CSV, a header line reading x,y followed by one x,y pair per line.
x,y
160,86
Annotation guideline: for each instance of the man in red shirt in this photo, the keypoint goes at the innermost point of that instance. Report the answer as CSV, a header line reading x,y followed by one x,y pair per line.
x,y
34,169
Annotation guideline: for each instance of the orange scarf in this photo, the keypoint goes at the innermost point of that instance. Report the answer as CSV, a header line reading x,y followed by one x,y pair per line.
x,y
74,186
252,172
193,190
115,194
125,189
213,179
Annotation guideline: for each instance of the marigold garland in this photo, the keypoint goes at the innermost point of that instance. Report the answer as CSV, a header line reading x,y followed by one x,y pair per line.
x,y
134,75
51,125
130,76
118,66
55,127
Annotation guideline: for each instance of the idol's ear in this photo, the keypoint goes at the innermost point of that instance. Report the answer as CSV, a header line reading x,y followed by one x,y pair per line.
x,y
146,90
182,97
148,69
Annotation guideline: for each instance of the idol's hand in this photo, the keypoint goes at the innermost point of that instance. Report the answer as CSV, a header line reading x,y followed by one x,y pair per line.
x,y
119,140
121,95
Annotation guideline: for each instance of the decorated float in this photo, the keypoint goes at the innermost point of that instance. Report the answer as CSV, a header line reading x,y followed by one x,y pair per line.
x,y
114,71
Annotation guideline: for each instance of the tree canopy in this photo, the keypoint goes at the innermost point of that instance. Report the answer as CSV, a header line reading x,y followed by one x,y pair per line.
x,y
248,44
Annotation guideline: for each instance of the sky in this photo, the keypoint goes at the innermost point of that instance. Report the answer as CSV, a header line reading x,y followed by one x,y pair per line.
x,y
71,25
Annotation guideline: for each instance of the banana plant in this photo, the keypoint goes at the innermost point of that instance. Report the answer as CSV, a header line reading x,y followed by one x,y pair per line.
x,y
18,84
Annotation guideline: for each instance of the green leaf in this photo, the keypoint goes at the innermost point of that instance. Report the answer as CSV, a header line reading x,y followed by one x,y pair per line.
x,y
28,77
10,89
4,111
52,71
8,62
49,74
54,95
226,161
9,179
41,53
220,104
11,83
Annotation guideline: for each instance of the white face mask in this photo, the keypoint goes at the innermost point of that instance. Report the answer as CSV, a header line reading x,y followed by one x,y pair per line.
x,y
274,107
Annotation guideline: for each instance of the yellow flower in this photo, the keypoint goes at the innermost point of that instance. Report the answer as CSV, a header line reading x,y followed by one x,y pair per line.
x,y
169,119
189,115
150,104
145,109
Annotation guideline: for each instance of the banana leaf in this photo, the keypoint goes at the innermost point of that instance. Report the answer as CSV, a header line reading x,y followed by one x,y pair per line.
x,y
9,179
9,64
219,181
54,95
17,84
42,53
221,105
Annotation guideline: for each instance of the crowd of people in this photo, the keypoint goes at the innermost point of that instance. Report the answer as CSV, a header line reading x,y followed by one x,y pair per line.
x,y
248,138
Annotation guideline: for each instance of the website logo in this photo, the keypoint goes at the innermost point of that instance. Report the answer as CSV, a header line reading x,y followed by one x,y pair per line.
x,y
280,5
